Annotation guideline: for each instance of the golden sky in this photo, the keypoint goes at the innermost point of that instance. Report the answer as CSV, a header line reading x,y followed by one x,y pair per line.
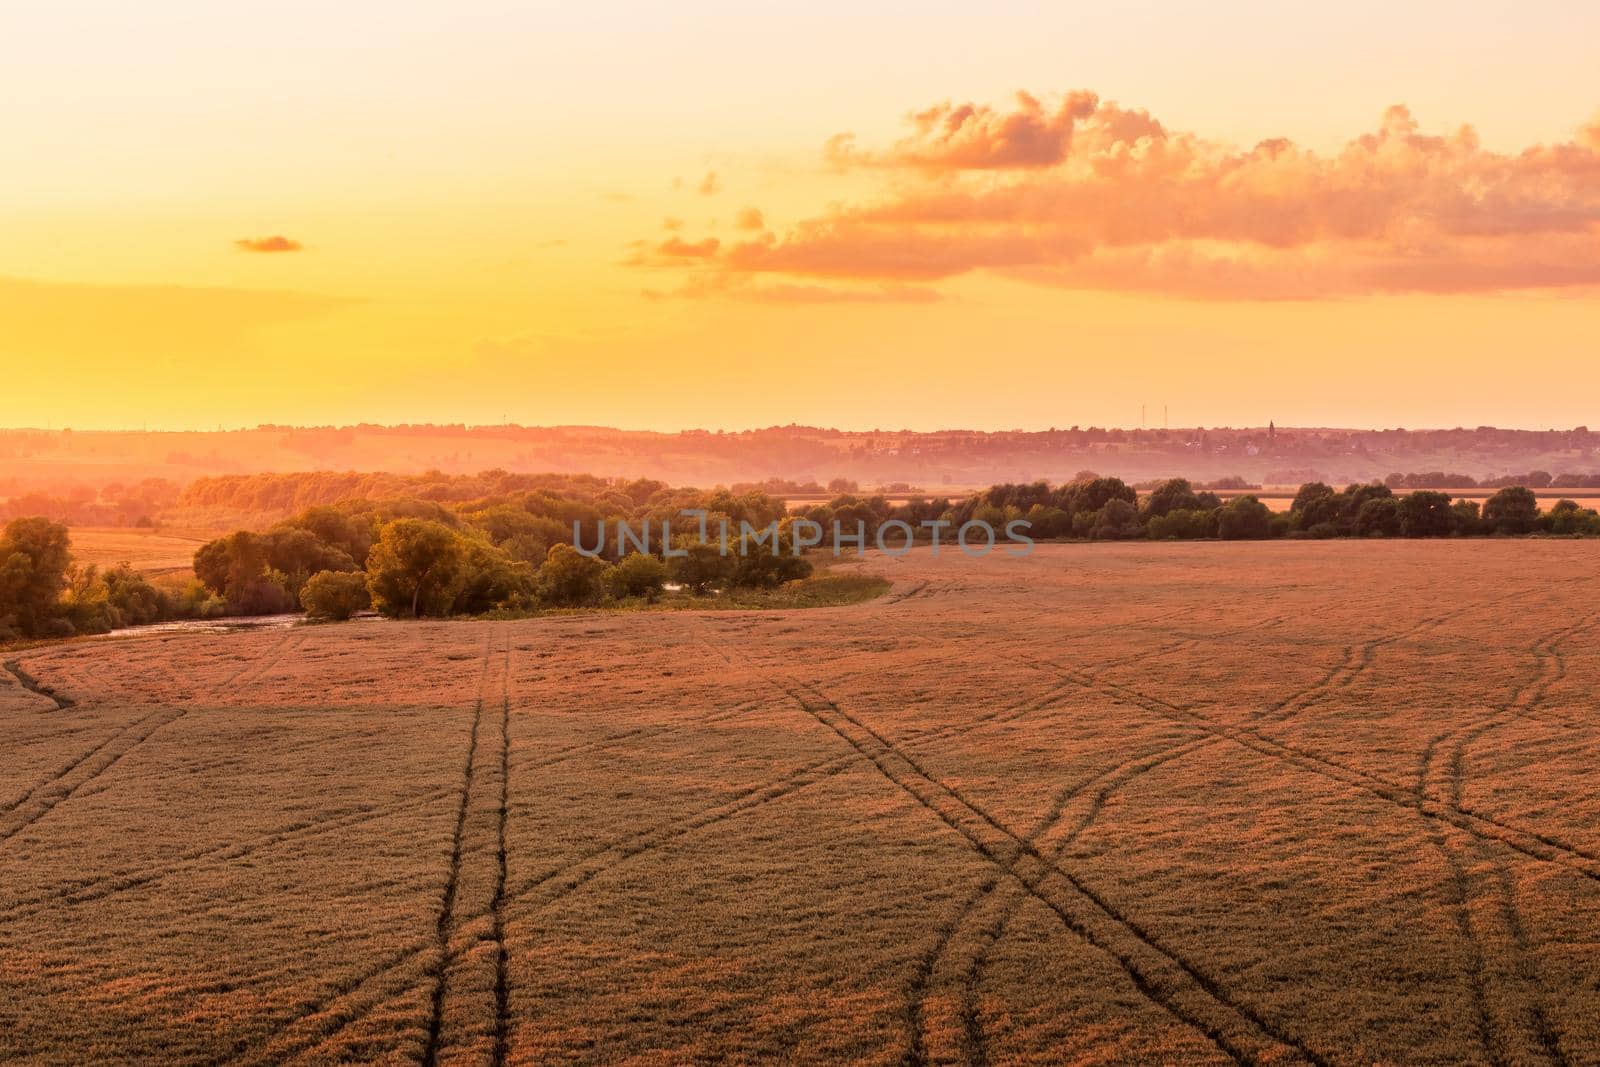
x,y
733,214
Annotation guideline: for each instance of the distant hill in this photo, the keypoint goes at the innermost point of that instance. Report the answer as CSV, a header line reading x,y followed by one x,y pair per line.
x,y
55,460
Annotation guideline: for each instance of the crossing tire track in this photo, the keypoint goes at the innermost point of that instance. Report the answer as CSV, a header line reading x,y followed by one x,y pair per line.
x,y
1535,844
1161,975
1519,996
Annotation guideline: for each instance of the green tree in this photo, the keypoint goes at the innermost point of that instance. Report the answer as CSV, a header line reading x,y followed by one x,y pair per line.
x,y
414,567
1378,517
767,565
35,554
1513,510
1118,520
1354,498
637,575
570,579
1426,513
1465,518
335,595
1244,518
135,598
1182,525
1174,494
701,568
1568,518
1091,493
1314,505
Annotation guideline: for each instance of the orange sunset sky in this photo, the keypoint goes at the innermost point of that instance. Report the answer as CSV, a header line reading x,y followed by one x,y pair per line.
x,y
739,214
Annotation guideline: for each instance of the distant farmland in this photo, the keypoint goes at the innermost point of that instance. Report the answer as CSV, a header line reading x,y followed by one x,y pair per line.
x,y
1325,802
150,551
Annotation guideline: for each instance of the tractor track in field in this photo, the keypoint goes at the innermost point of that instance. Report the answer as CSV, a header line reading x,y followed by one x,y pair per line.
x,y
47,798
445,924
1160,974
1438,814
1356,659
561,881
973,1043
34,686
1166,979
1535,844
497,904
1520,999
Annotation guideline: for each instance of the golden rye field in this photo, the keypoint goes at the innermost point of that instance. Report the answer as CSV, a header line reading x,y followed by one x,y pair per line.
x,y
154,552
1268,803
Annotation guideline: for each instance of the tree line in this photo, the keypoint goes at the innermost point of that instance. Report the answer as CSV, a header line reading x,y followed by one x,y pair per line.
x,y
513,552
1107,509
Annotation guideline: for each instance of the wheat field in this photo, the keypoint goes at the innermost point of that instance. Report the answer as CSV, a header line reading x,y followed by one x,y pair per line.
x,y
1325,802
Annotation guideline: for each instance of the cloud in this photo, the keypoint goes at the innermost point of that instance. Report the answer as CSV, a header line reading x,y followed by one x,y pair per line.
x,y
671,223
749,219
710,184
678,248
735,287
973,137
1083,194
275,243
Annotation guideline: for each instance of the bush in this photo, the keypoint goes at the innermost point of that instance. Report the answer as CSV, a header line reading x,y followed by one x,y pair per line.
x,y
637,575
1568,519
569,579
1183,524
1464,518
702,568
334,595
762,568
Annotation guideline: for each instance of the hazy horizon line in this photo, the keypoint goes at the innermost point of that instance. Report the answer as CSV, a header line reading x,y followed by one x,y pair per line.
x,y
729,430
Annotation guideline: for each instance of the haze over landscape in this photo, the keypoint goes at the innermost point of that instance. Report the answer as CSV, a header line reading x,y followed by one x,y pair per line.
x,y
635,534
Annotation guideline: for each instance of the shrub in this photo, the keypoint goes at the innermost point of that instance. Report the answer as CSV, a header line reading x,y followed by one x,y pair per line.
x,y
637,575
334,595
1568,518
569,579
1183,525
702,568
762,568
